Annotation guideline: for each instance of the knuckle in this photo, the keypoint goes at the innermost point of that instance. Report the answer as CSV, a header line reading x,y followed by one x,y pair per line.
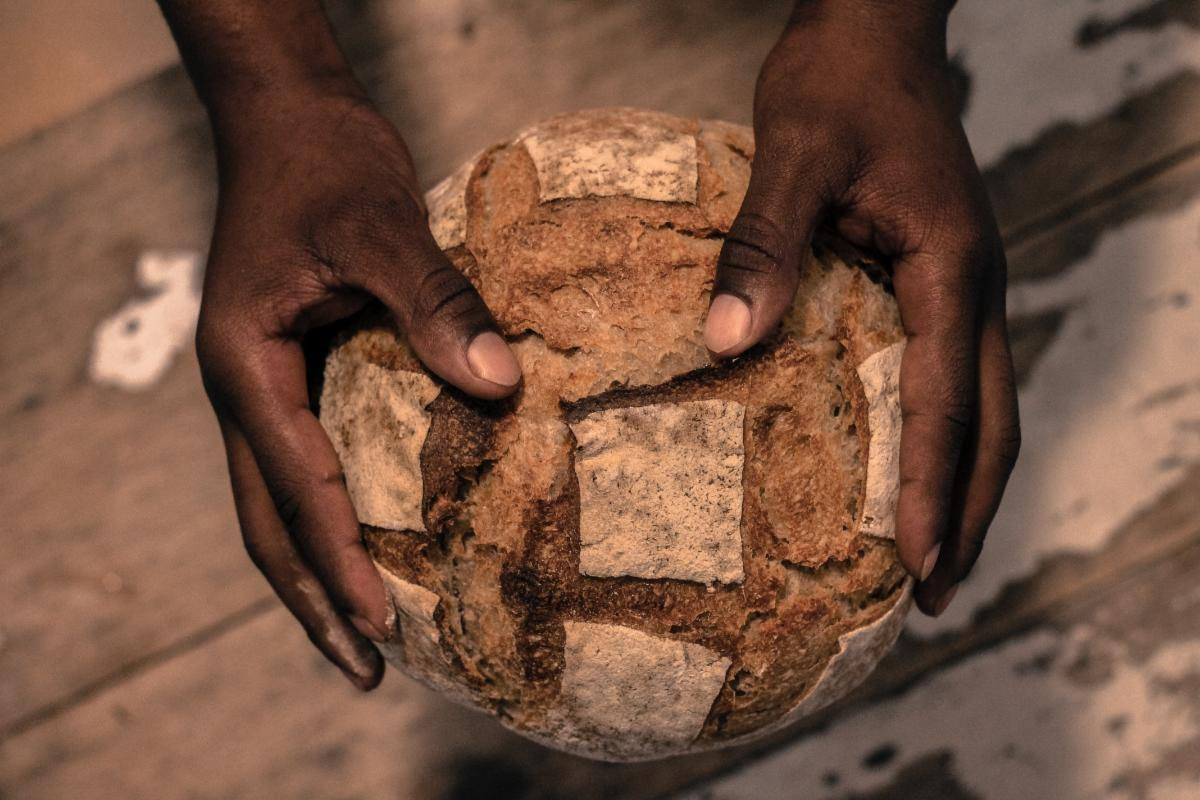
x,y
753,250
945,393
957,414
929,492
931,222
286,496
971,251
228,355
299,494
958,271
209,344
953,414
965,250
330,477
445,295
943,306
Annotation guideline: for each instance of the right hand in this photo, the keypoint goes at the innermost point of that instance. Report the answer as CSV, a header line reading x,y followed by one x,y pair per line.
x,y
320,211
857,127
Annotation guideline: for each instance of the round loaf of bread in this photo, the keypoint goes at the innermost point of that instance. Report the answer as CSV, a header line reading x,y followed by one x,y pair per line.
x,y
642,553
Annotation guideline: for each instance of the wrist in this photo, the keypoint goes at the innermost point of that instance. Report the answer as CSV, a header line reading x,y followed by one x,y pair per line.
x,y
914,27
256,62
250,114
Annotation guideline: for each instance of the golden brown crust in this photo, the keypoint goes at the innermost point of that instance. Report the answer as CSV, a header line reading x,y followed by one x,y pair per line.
x,y
603,298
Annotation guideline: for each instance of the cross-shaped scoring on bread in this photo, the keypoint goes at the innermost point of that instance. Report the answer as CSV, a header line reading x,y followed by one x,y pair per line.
x,y
642,553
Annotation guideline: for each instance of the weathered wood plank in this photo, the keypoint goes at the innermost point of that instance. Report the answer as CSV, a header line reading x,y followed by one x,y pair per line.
x,y
190,728
104,488
119,536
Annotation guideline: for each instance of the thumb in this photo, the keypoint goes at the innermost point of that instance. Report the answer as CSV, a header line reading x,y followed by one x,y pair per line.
x,y
767,244
442,316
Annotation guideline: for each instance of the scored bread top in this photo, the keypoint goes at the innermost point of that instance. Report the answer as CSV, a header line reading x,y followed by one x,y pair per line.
x,y
593,238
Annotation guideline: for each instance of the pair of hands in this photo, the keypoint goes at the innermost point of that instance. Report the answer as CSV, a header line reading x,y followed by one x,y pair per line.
x,y
320,211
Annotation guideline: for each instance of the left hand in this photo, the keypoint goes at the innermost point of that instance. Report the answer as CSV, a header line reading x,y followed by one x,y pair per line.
x,y
857,127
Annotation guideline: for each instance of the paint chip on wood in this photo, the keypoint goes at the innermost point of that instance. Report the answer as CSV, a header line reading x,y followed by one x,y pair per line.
x,y
660,491
134,347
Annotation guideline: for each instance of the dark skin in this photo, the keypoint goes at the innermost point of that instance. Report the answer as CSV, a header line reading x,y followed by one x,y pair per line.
x,y
320,212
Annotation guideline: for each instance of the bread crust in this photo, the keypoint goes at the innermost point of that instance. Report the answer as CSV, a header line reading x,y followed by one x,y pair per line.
x,y
602,297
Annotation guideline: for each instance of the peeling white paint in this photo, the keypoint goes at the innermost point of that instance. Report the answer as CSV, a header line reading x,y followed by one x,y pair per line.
x,y
1111,411
1061,715
133,348
1028,73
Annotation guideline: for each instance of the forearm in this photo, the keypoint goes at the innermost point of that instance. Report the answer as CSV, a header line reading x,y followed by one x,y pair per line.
x,y
244,55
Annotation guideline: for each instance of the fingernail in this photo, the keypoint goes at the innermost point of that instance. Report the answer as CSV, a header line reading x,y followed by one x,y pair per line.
x,y
930,560
728,323
367,628
491,360
945,601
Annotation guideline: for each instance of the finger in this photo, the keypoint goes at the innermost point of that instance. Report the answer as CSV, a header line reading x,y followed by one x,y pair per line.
x,y
268,396
988,458
275,555
759,266
937,298
442,316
